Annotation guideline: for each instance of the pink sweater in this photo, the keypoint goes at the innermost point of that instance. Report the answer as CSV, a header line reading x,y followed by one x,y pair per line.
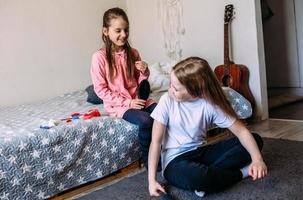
x,y
116,95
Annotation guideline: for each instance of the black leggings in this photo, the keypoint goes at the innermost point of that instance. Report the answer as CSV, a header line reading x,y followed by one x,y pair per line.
x,y
210,168
143,120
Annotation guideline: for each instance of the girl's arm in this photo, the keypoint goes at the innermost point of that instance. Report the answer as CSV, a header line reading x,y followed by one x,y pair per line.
x,y
141,68
100,83
153,157
257,168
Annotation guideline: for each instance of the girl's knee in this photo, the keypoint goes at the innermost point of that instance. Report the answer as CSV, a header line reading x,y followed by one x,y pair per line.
x,y
139,118
146,122
259,140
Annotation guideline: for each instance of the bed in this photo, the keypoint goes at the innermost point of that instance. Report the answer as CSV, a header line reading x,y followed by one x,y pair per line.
x,y
39,163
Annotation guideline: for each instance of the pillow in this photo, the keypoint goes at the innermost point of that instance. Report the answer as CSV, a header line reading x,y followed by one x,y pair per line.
x,y
240,105
91,96
158,78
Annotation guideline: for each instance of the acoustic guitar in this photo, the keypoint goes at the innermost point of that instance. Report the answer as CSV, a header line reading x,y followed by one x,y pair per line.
x,y
230,74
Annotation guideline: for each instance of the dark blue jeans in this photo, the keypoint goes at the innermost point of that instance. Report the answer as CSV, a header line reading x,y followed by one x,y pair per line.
x,y
210,168
142,119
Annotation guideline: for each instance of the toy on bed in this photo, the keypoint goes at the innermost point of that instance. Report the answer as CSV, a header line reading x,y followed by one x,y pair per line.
x,y
75,116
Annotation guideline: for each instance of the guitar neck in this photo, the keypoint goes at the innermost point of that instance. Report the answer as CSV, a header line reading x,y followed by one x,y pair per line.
x,y
226,45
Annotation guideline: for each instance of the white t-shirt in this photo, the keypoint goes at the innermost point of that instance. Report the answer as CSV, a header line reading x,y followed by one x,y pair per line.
x,y
187,124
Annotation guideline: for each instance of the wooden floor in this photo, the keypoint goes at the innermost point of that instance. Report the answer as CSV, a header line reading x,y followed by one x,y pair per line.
x,y
275,128
132,169
271,128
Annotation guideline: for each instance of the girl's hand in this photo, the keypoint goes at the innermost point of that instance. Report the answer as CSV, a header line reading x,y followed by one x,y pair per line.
x,y
137,103
155,189
141,66
257,169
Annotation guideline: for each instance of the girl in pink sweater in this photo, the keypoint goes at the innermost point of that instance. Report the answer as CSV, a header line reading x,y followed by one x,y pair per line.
x,y
117,72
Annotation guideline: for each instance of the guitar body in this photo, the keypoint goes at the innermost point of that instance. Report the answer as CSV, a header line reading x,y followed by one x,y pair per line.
x,y
237,79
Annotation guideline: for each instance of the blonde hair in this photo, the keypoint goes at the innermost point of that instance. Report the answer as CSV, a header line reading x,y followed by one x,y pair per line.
x,y
200,81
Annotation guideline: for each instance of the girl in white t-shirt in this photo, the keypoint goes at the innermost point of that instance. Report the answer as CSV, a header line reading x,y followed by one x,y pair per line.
x,y
194,102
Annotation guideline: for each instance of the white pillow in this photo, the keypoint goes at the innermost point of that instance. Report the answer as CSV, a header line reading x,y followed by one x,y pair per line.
x,y
159,77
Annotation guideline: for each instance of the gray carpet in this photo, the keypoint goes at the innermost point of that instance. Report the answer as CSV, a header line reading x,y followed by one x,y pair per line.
x,y
284,181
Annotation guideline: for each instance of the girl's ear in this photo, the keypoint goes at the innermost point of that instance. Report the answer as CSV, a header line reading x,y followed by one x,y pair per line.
x,y
105,31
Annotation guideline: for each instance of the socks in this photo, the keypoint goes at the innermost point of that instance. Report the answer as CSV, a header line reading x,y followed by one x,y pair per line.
x,y
244,171
200,193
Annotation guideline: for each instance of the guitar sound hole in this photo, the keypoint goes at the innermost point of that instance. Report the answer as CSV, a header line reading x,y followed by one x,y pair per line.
x,y
227,80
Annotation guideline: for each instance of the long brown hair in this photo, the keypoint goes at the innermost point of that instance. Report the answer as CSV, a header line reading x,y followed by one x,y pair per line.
x,y
200,81
110,14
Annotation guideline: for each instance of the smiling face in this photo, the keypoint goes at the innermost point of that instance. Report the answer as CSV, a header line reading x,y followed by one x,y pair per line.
x,y
118,32
178,91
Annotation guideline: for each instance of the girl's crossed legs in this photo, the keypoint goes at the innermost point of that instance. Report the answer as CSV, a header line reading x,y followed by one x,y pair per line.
x,y
210,168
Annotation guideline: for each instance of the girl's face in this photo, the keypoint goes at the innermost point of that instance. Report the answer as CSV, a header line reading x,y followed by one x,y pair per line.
x,y
178,91
117,33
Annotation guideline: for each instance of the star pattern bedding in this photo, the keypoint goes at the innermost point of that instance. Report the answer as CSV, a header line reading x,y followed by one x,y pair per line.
x,y
39,163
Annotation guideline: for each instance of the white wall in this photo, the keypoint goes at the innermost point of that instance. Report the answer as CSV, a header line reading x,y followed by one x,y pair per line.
x,y
46,46
204,37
